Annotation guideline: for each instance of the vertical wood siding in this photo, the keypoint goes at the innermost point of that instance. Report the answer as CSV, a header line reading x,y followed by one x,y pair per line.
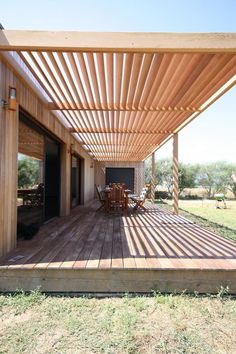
x,y
28,100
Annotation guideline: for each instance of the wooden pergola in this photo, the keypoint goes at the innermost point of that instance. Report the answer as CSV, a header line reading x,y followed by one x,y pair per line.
x,y
124,95
115,98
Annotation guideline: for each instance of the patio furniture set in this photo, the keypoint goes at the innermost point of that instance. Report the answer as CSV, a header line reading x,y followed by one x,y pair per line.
x,y
116,197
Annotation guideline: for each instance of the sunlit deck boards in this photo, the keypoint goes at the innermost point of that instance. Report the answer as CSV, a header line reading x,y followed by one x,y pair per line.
x,y
141,245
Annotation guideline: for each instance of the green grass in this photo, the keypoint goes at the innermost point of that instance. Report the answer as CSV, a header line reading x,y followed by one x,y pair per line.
x,y
222,221
206,209
180,324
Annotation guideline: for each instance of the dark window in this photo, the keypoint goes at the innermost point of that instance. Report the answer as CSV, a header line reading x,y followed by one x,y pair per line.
x,y
77,172
52,178
120,175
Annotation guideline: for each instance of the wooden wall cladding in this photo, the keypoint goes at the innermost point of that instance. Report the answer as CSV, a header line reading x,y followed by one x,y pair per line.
x,y
8,168
9,121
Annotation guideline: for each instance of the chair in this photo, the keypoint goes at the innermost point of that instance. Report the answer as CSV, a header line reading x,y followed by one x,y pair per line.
x,y
139,200
101,197
116,198
35,197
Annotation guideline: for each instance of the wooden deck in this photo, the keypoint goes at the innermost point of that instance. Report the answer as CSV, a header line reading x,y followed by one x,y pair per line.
x,y
91,251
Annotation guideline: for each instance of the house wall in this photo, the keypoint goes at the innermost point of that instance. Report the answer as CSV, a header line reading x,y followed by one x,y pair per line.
x,y
28,100
139,172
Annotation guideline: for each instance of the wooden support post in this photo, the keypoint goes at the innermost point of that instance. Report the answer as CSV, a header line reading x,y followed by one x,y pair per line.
x,y
153,179
8,175
175,169
65,179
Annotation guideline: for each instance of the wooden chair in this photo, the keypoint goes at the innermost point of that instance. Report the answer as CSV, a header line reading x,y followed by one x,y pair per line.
x,y
139,200
116,199
101,197
35,196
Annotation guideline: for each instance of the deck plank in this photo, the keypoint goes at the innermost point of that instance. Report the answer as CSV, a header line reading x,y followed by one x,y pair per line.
x,y
106,253
117,255
83,256
76,245
94,258
43,260
70,251
127,247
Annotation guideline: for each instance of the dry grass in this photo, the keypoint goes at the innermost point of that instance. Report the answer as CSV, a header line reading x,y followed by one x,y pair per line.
x,y
158,324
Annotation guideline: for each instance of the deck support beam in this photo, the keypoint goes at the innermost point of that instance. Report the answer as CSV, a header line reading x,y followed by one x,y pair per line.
x,y
153,178
8,173
175,171
65,179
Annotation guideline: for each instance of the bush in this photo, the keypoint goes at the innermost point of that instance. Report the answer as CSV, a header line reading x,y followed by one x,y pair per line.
x,y
190,197
162,195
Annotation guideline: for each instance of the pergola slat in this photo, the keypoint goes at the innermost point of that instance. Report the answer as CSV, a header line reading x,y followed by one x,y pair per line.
x,y
78,80
85,79
70,80
126,75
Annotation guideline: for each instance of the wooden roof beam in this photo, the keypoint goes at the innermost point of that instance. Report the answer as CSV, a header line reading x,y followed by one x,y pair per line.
x,y
116,42
126,131
122,149
136,145
55,107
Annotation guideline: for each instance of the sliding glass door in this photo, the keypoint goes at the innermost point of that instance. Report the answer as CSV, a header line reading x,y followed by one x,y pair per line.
x,y
30,196
38,174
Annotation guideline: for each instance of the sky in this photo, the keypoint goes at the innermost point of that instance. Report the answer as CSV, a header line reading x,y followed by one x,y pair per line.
x,y
212,136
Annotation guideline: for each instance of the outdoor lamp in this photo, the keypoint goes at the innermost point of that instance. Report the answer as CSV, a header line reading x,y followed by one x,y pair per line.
x,y
12,104
12,99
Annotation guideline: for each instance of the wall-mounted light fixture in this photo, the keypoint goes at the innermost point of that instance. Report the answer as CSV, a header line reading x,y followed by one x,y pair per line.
x,y
91,164
12,104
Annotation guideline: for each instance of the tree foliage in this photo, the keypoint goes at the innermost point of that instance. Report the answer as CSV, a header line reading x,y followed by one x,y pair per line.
x,y
187,176
28,172
163,173
216,177
213,177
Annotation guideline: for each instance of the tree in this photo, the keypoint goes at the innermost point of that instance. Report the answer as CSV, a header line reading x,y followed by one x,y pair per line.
x,y
28,172
148,171
232,188
163,173
231,179
205,178
216,177
187,176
